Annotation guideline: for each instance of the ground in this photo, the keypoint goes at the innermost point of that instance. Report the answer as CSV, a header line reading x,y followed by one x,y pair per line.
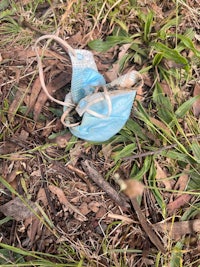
x,y
63,200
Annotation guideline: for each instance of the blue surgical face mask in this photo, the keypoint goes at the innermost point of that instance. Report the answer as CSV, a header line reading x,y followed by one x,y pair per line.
x,y
102,108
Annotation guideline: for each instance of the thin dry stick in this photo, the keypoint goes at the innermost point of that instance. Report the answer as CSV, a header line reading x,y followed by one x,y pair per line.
x,y
99,180
147,228
44,182
150,153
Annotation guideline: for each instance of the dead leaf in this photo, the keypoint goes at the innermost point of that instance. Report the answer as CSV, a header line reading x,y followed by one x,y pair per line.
x,y
147,226
157,9
101,212
178,203
161,176
106,151
112,74
160,125
63,200
166,88
18,209
41,196
36,88
84,208
147,80
103,184
34,226
80,173
61,140
122,218
196,105
178,229
75,153
23,135
76,39
52,87
16,73
182,182
11,176
36,173
15,105
23,54
94,206
140,93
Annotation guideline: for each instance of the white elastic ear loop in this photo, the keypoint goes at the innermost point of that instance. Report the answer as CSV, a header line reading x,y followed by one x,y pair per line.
x,y
95,114
64,116
40,67
108,101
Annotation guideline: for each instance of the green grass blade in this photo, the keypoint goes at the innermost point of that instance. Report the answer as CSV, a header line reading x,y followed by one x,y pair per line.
x,y
125,152
176,257
102,46
153,183
148,26
157,59
186,106
171,54
138,175
188,43
196,150
135,128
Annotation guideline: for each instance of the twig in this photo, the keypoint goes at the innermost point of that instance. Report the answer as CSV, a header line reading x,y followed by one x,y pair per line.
x,y
150,153
44,183
142,155
147,228
81,174
100,181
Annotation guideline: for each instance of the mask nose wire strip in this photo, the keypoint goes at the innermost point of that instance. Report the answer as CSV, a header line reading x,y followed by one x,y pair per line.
x,y
40,67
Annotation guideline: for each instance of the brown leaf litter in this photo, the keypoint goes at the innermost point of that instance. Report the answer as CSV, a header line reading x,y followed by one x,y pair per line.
x,y
176,230
180,198
98,179
161,176
178,203
196,105
63,200
113,73
18,210
56,84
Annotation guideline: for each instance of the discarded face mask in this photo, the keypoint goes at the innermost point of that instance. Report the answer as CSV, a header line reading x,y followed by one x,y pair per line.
x,y
93,110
